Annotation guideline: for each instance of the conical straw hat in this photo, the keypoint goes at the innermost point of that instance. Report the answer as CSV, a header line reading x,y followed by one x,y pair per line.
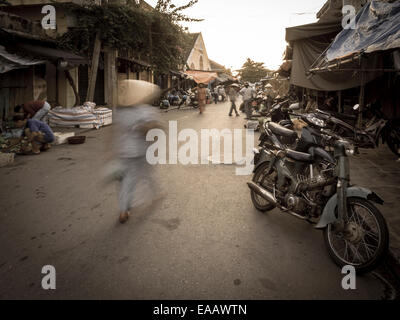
x,y
135,92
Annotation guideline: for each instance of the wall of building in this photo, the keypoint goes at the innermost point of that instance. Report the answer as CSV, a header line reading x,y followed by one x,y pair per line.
x,y
16,87
199,53
66,96
34,13
43,2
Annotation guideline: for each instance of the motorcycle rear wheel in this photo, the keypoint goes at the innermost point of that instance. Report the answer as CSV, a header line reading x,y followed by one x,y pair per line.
x,y
261,177
365,241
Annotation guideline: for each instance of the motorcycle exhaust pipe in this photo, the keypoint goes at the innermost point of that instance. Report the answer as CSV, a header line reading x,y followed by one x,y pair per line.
x,y
265,194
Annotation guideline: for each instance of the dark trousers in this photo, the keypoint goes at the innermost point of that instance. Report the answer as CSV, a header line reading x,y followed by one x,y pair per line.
x,y
215,95
233,108
247,108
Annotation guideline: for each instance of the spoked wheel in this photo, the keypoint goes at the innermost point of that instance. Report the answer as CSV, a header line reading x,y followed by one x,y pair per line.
x,y
393,141
267,181
365,239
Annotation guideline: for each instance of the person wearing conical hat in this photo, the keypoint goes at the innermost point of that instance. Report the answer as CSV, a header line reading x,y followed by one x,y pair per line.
x,y
201,97
134,117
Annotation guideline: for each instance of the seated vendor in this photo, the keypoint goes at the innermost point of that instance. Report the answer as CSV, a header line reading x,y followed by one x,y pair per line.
x,y
34,109
37,132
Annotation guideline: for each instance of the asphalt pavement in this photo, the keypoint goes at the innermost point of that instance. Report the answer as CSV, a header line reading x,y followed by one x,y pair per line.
x,y
204,240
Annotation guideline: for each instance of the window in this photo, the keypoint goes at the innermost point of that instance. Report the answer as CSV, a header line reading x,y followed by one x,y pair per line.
x,y
201,63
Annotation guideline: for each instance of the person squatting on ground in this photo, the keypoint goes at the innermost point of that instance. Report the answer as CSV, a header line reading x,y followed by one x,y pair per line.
x,y
248,93
133,119
39,134
34,109
233,95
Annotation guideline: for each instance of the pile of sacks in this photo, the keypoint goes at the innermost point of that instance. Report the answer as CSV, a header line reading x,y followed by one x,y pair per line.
x,y
85,116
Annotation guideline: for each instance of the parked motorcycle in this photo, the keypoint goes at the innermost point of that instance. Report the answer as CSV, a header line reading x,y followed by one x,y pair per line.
x,y
193,102
312,185
373,130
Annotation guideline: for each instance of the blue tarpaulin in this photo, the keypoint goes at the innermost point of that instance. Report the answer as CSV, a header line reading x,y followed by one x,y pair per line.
x,y
377,29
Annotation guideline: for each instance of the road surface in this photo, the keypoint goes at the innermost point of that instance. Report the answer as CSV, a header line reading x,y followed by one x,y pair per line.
x,y
204,240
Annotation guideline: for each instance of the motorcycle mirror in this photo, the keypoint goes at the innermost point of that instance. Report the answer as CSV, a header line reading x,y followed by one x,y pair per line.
x,y
356,107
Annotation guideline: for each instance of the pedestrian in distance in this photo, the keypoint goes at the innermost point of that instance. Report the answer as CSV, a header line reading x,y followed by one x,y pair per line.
x,y
248,94
233,95
201,97
215,95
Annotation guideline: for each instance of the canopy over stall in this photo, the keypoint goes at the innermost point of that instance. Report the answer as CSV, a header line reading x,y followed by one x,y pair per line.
x,y
309,42
10,61
54,55
202,76
377,29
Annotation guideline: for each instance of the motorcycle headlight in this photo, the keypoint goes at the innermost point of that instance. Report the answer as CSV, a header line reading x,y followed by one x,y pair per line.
x,y
350,150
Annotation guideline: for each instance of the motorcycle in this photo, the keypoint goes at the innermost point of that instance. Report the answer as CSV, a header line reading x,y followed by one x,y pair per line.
x,y
193,102
375,129
311,184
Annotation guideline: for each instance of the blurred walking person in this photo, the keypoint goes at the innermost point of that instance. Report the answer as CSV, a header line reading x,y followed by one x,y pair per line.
x,y
134,118
215,95
233,95
248,93
201,97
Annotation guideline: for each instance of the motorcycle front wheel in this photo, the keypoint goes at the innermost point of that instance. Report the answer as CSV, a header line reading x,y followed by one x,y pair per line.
x,y
262,178
393,141
364,241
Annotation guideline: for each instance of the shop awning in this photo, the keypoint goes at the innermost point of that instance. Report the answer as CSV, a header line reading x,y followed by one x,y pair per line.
x,y
311,30
54,55
223,77
136,61
178,74
202,76
377,29
11,61
309,43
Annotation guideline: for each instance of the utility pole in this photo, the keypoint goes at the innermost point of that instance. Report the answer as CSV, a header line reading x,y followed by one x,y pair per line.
x,y
151,53
94,68
362,96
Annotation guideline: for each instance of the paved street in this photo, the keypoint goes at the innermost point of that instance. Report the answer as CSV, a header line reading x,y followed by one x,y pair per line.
x,y
203,241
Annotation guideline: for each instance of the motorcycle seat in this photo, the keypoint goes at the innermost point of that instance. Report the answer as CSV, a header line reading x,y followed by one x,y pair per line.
x,y
281,131
299,156
342,116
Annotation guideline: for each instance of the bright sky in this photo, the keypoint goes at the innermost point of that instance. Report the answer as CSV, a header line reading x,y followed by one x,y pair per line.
x,y
235,30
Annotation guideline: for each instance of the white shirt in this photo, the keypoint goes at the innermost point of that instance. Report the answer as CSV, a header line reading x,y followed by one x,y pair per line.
x,y
129,141
247,93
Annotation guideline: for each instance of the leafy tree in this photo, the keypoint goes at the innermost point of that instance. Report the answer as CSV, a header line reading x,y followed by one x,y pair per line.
x,y
174,12
152,34
4,2
253,71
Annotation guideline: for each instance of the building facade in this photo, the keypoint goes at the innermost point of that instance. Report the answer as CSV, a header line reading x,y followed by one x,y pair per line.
x,y
197,57
113,67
